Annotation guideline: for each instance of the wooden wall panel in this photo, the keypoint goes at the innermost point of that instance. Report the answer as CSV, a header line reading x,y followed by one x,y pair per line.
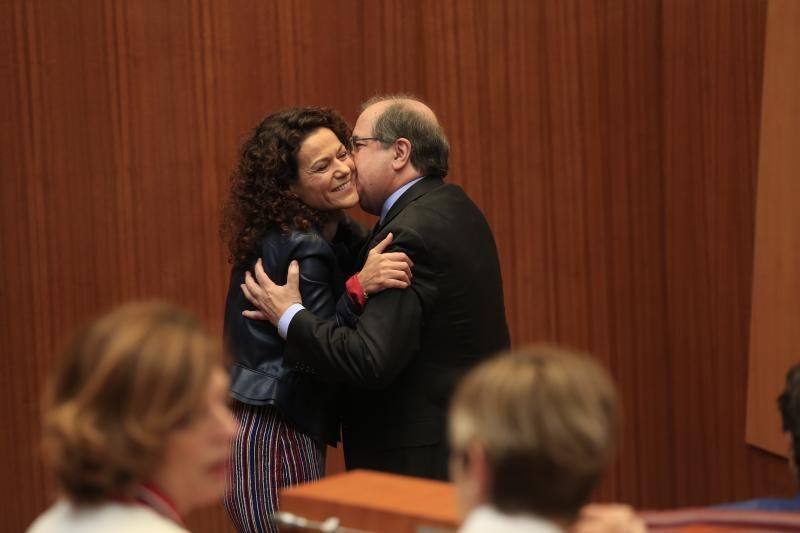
x,y
774,332
712,82
611,143
553,110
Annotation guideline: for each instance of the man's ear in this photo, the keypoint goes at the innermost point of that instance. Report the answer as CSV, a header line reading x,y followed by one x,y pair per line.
x,y
402,153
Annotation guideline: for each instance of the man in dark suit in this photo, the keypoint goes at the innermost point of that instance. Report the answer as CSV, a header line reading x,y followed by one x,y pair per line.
x,y
409,347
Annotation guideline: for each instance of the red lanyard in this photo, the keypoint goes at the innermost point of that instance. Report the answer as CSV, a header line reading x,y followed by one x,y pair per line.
x,y
152,497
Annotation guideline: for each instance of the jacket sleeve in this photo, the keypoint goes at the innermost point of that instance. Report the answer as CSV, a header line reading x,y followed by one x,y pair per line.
x,y
387,336
316,275
351,237
347,311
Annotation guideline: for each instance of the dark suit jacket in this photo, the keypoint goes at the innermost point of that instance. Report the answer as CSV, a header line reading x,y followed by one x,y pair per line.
x,y
410,346
258,375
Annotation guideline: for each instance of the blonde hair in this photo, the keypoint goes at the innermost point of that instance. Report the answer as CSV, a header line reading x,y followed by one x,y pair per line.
x,y
546,418
122,385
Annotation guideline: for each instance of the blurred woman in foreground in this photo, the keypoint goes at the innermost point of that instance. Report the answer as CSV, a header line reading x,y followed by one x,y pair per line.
x,y
136,427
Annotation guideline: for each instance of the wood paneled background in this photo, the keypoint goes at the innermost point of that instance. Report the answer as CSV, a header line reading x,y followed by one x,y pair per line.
x,y
613,145
775,307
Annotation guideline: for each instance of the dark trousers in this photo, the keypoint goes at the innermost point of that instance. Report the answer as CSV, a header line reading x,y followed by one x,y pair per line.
x,y
419,461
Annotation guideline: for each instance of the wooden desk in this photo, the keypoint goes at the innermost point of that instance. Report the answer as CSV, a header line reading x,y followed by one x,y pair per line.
x,y
374,501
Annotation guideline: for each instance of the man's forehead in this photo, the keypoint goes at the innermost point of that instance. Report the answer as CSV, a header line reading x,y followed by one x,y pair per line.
x,y
363,127
366,119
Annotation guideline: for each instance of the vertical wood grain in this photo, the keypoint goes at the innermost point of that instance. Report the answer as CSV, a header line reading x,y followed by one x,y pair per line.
x,y
613,145
775,321
712,78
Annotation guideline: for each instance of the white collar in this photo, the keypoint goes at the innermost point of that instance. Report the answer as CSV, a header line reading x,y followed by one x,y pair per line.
x,y
485,518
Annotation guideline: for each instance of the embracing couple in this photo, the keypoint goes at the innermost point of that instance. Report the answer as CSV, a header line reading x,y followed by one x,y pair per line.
x,y
339,332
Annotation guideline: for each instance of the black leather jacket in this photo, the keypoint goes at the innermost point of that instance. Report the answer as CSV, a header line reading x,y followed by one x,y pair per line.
x,y
258,376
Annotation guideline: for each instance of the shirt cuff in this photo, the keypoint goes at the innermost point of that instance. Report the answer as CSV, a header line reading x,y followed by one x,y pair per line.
x,y
286,319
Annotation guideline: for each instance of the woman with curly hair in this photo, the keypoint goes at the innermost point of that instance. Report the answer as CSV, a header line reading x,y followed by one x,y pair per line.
x,y
136,427
294,177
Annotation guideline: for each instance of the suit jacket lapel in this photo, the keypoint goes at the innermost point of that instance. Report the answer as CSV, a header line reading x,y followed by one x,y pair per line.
x,y
420,188
424,186
368,244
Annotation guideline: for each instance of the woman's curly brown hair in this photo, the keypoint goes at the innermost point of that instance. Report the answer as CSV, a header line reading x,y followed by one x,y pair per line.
x,y
260,198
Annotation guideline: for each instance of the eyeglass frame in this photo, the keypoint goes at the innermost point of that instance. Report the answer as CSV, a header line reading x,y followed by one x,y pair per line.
x,y
355,138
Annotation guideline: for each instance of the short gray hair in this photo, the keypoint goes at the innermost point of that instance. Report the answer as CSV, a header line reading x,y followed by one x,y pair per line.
x,y
429,147
546,418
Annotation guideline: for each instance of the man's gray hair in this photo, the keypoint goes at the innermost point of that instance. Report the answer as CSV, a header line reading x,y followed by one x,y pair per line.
x,y
429,147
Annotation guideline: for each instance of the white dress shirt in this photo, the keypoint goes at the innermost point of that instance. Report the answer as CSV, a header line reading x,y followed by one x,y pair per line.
x,y
486,519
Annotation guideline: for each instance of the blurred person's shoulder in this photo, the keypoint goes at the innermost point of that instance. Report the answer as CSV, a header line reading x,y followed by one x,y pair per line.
x,y
784,505
486,518
65,517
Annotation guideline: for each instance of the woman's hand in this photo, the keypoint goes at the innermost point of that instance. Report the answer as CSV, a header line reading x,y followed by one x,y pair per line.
x,y
390,270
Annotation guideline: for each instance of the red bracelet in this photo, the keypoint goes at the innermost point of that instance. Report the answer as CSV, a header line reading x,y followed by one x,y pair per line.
x,y
355,292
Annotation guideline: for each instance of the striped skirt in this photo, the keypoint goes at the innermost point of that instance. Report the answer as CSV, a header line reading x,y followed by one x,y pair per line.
x,y
267,455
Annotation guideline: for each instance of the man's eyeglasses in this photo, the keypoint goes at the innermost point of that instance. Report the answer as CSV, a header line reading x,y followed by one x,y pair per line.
x,y
356,142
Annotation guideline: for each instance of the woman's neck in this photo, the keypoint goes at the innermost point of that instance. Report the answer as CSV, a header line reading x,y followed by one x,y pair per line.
x,y
329,230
